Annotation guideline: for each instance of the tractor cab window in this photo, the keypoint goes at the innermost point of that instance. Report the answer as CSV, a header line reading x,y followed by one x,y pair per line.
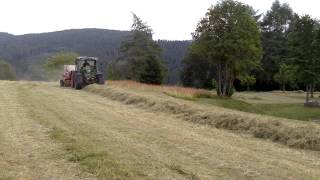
x,y
87,67
87,63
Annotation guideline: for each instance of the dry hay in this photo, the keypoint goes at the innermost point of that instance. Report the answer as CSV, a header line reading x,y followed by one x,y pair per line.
x,y
298,135
175,91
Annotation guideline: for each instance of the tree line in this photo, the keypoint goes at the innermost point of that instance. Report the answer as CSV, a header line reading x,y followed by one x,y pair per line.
x,y
27,53
233,46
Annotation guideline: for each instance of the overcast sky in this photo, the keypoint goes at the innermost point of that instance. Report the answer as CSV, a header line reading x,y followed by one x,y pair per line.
x,y
170,19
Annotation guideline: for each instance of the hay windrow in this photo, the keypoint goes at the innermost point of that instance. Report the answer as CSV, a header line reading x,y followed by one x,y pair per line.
x,y
303,136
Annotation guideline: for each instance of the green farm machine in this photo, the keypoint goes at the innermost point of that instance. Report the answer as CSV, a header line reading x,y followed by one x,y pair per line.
x,y
85,71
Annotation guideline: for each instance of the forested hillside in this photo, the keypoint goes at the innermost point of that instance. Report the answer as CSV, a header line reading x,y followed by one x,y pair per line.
x,y
26,53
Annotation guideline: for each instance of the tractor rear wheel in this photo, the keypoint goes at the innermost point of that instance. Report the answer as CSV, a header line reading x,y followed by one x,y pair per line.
x,y
78,81
100,79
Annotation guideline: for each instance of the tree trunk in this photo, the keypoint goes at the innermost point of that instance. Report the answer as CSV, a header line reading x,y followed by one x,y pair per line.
x,y
311,90
225,80
283,87
219,80
230,90
307,94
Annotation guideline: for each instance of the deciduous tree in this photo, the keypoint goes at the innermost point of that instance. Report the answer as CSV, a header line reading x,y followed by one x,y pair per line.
x,y
228,36
286,75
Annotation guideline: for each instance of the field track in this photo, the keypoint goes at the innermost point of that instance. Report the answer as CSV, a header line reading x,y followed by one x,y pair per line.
x,y
48,132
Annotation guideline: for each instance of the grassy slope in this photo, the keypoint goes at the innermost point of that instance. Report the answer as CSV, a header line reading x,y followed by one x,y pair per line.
x,y
113,140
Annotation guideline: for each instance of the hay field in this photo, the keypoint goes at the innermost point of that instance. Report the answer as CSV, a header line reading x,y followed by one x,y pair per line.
x,y
275,103
60,133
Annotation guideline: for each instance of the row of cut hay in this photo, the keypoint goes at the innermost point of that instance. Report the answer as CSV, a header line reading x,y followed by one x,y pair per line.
x,y
176,91
298,135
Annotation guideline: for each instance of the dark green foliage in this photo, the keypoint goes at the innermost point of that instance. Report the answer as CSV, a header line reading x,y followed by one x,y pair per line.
x,y
304,51
114,71
137,54
275,27
229,39
151,71
286,75
247,81
6,72
173,53
197,71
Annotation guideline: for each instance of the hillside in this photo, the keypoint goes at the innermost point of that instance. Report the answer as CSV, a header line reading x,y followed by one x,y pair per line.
x,y
48,132
27,52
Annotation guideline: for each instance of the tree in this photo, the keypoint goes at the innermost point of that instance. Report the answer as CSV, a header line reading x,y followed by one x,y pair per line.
x,y
275,27
196,71
286,75
54,65
6,72
115,70
304,43
228,36
316,57
152,72
247,81
138,51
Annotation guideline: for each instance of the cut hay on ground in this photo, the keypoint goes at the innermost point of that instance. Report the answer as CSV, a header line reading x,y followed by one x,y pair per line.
x,y
292,134
176,91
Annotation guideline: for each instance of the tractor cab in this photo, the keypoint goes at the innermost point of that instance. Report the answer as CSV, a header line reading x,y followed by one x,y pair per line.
x,y
87,66
86,62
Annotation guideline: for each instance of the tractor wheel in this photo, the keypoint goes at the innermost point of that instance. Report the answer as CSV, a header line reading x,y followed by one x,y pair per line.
x,y
78,82
62,84
100,79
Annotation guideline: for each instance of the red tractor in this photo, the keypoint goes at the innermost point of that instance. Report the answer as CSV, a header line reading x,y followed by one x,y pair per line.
x,y
84,72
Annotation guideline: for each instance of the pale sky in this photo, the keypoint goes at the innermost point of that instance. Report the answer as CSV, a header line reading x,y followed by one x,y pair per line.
x,y
170,19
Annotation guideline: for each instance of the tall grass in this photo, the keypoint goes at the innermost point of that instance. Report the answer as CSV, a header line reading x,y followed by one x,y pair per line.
x,y
175,91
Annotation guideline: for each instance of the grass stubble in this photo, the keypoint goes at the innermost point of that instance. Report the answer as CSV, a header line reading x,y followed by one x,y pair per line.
x,y
292,134
126,140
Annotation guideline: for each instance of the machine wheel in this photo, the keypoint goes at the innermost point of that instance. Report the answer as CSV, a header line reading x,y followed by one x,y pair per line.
x,y
78,82
62,84
100,79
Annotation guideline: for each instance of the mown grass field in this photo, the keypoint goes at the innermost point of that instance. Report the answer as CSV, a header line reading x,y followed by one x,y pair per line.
x,y
114,132
279,104
289,110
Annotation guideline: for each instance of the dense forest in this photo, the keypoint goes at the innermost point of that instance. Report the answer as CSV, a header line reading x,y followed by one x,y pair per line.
x,y
27,53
